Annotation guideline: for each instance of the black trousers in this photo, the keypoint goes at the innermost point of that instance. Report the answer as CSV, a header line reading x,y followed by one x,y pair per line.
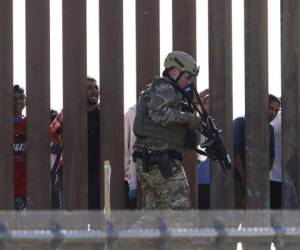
x,y
275,195
57,188
129,203
203,196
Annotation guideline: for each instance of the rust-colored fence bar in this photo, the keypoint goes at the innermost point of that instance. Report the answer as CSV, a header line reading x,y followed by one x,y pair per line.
x,y
220,84
184,26
38,103
256,98
6,105
75,104
184,38
290,49
112,113
147,42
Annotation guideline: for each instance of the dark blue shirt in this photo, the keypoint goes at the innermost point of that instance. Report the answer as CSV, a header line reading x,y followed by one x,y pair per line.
x,y
204,172
239,139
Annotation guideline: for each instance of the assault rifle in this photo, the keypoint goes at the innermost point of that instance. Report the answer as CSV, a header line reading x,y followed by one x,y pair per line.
x,y
214,145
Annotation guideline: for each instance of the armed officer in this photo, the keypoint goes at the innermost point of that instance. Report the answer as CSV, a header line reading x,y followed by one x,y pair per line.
x,y
162,127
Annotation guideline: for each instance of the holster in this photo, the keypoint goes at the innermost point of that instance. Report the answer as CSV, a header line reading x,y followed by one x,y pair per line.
x,y
165,166
162,159
145,158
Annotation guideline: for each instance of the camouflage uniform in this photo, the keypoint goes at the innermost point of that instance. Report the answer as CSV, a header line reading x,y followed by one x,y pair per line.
x,y
164,193
164,107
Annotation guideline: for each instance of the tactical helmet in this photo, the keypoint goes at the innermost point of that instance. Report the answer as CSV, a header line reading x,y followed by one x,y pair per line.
x,y
183,61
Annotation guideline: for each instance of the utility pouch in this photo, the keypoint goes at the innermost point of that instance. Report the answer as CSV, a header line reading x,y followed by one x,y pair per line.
x,y
144,156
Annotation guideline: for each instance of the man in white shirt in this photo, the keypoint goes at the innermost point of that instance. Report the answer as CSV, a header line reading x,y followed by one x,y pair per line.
x,y
129,164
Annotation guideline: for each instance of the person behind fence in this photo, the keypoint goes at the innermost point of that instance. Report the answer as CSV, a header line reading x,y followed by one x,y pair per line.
x,y
56,162
93,125
93,105
56,167
20,124
161,126
129,164
276,171
239,151
204,165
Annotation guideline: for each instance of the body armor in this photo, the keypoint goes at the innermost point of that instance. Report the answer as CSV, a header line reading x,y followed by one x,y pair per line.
x,y
179,135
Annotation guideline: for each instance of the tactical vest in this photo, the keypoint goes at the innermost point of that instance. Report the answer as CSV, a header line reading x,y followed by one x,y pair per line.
x,y
144,126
